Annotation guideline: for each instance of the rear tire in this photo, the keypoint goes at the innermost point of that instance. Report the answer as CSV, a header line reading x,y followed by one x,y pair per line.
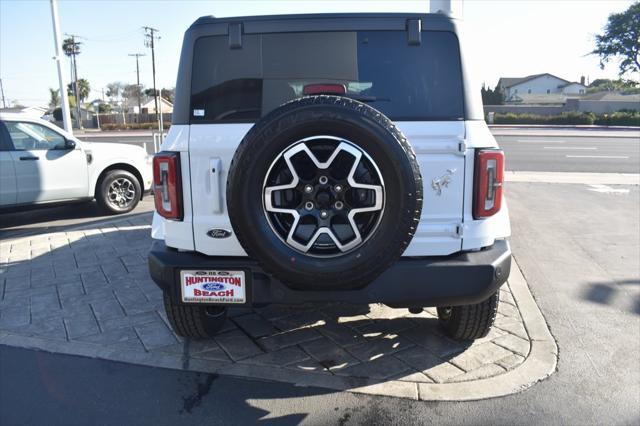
x,y
197,322
469,322
118,191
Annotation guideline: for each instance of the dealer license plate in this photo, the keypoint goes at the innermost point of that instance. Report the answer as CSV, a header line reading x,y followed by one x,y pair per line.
x,y
213,286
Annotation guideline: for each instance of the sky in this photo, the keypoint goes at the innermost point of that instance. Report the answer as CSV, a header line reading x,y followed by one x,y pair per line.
x,y
509,38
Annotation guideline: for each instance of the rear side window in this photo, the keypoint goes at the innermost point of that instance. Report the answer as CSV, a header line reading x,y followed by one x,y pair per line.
x,y
405,82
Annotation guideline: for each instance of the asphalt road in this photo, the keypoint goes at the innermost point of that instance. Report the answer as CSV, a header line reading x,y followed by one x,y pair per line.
x,y
581,263
533,149
571,153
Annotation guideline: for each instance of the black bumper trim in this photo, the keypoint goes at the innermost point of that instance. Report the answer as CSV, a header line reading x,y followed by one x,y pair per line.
x,y
459,279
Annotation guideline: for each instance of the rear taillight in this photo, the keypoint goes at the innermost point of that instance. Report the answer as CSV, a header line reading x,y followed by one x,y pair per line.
x,y
167,185
488,181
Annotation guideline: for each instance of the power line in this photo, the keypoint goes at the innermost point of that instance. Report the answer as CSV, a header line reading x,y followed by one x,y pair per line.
x,y
150,37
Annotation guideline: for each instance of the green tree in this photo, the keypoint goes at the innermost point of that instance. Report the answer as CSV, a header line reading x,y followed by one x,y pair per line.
x,y
150,92
621,38
69,46
54,98
114,89
608,85
104,108
492,97
83,89
131,91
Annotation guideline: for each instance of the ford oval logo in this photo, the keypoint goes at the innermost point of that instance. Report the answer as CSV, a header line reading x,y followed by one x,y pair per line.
x,y
219,233
213,286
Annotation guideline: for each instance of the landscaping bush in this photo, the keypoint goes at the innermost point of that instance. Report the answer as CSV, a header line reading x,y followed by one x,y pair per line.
x,y
133,126
564,118
620,118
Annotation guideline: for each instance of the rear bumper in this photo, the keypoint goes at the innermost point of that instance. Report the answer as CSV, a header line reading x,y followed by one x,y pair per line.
x,y
460,279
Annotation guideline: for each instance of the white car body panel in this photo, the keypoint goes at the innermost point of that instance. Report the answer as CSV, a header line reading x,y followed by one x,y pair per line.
x,y
75,178
55,175
445,153
8,183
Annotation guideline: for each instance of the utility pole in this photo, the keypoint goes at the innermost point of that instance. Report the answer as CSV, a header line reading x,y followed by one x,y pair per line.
x,y
137,55
150,42
57,39
4,104
75,50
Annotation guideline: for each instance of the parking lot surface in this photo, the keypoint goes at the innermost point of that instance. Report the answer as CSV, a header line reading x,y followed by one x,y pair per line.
x,y
85,290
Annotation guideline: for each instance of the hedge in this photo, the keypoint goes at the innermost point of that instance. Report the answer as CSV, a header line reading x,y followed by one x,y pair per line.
x,y
627,118
619,119
133,126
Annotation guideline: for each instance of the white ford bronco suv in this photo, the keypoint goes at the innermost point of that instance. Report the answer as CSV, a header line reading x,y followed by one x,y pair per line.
x,y
328,158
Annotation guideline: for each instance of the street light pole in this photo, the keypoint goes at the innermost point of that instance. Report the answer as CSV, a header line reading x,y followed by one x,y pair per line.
x,y
66,116
137,55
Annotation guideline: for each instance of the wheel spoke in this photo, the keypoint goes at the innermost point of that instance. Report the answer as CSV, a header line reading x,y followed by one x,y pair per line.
x,y
322,197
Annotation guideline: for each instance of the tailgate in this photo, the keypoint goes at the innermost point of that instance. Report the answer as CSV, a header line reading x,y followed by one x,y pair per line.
x,y
437,145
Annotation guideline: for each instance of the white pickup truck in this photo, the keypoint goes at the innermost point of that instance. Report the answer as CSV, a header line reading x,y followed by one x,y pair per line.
x,y
41,163
329,158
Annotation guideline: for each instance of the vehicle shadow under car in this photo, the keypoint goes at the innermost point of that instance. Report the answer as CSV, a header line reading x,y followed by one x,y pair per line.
x,y
31,220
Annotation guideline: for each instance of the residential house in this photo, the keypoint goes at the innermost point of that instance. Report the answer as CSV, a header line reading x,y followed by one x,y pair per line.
x,y
150,108
539,84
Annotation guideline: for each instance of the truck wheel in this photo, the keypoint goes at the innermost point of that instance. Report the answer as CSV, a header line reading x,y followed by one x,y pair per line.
x,y
469,322
118,191
325,192
197,322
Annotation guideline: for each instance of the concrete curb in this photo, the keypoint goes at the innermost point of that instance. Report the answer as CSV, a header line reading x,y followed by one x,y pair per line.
x,y
539,364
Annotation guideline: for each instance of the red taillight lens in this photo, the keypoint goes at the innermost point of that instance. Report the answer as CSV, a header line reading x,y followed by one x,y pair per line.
x,y
319,89
167,185
488,181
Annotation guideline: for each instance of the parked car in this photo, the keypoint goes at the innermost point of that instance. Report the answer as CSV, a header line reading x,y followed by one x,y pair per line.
x,y
329,158
41,163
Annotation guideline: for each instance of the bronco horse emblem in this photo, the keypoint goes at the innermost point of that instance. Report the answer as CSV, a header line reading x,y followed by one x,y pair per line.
x,y
442,182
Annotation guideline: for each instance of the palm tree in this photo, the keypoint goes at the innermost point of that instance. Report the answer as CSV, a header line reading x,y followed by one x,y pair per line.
x,y
83,89
71,48
54,98
69,45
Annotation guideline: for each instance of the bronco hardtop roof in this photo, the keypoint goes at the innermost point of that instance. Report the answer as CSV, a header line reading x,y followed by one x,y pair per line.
x,y
329,22
235,27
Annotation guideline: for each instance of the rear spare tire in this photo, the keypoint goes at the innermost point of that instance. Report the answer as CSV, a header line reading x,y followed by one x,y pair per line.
x,y
325,192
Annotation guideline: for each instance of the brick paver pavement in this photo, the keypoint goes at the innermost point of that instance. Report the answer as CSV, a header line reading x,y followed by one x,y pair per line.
x,y
89,285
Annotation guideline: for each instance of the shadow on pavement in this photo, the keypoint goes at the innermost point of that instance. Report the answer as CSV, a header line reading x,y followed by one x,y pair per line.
x,y
32,220
605,292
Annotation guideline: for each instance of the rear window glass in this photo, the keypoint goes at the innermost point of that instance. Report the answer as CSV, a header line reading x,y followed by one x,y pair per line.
x,y
405,82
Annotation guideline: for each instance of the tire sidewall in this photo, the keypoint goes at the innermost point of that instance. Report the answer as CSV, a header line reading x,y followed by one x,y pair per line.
x,y
103,195
370,136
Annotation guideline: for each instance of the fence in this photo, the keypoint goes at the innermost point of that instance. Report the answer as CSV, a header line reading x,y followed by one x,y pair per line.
x,y
128,118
